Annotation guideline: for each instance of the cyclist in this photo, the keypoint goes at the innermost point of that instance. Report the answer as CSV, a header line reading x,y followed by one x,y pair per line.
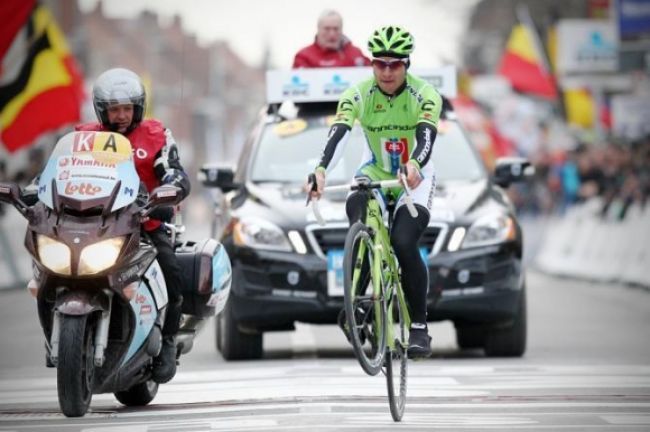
x,y
119,102
399,114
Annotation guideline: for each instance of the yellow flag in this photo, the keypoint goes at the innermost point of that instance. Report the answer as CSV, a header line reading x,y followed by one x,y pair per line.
x,y
579,107
146,82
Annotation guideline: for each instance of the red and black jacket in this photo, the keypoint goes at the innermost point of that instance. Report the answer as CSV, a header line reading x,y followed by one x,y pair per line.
x,y
156,160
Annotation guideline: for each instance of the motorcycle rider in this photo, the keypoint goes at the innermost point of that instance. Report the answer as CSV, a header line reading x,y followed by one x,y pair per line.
x,y
119,101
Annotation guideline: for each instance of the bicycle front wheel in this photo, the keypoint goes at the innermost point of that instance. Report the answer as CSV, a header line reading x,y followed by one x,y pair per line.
x,y
365,309
396,361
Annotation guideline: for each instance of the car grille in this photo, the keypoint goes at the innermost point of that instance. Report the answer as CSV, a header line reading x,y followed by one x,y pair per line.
x,y
328,239
324,239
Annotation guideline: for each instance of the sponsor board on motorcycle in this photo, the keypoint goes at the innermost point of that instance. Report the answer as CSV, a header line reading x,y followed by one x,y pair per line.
x,y
88,165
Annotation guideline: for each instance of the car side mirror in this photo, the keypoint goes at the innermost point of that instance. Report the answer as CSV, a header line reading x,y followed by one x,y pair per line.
x,y
218,176
511,170
10,194
165,195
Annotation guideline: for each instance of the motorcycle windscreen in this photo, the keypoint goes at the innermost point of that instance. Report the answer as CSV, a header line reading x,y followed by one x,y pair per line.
x,y
86,167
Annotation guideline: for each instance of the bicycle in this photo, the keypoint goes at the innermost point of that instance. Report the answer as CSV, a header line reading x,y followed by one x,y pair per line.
x,y
380,318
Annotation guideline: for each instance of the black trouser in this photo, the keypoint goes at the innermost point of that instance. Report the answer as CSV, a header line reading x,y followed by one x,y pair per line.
x,y
172,273
405,235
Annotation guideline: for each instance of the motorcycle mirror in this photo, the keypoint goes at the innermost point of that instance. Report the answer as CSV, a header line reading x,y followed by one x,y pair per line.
x,y
165,195
218,176
10,193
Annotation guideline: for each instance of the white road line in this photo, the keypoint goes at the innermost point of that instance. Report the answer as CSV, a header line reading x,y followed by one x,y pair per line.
x,y
131,428
350,421
349,382
627,419
362,410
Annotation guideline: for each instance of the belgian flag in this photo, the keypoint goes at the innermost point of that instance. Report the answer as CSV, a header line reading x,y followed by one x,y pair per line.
x,y
41,88
523,64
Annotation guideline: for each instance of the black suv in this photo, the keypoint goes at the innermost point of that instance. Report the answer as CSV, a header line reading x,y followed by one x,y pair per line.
x,y
287,267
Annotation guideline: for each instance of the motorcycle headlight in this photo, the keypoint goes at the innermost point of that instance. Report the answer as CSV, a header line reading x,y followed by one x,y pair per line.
x,y
260,234
100,256
53,254
490,229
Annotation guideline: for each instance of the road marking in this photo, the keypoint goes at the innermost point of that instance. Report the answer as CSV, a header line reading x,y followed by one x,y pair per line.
x,y
625,419
337,395
451,420
350,421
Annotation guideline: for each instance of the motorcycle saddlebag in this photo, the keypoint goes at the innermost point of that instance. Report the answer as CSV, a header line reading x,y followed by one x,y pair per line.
x,y
206,274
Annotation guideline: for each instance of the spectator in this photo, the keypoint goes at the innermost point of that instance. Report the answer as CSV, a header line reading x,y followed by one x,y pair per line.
x,y
330,48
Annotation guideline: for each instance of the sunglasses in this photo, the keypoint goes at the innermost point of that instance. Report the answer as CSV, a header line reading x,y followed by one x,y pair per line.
x,y
390,64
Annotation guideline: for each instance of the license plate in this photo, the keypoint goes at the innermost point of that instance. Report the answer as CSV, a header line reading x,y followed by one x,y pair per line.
x,y
335,273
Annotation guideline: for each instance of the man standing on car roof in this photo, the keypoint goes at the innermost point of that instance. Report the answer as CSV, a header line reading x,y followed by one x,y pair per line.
x,y
399,114
119,101
330,48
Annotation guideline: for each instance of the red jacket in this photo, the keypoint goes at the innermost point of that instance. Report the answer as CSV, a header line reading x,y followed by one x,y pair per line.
x,y
314,55
147,140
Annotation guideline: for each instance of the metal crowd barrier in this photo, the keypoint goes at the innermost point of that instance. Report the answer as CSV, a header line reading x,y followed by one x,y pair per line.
x,y
587,245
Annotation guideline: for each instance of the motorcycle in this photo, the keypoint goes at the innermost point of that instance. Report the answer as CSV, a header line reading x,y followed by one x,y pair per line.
x,y
100,291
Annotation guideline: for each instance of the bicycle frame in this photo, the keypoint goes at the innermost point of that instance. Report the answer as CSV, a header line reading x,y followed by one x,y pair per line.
x,y
384,268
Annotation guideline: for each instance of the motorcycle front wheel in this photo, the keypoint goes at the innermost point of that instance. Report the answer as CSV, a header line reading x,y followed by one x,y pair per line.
x,y
75,366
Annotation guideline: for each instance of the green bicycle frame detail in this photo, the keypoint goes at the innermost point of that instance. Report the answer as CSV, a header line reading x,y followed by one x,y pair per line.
x,y
381,276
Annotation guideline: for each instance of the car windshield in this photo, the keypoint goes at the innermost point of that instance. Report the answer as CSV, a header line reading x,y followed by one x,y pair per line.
x,y
289,150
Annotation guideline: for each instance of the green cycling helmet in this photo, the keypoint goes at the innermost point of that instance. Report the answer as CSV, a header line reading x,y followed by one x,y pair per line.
x,y
391,41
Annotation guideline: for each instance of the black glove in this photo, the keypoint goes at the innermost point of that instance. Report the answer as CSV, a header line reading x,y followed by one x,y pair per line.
x,y
163,214
30,198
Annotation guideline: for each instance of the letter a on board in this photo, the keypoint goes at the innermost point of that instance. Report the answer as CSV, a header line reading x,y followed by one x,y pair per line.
x,y
110,143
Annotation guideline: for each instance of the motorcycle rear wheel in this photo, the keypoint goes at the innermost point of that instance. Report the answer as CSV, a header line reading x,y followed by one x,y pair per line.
x,y
138,395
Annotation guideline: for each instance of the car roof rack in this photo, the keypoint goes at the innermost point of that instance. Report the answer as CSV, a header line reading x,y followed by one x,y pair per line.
x,y
329,107
305,108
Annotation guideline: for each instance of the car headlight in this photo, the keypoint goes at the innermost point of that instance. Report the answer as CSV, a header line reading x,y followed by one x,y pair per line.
x,y
260,234
53,254
100,256
490,229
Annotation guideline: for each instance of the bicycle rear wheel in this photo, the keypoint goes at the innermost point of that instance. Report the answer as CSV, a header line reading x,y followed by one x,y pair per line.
x,y
365,312
395,362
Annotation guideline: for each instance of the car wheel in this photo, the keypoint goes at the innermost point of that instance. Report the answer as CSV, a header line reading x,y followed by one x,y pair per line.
x,y
470,337
509,341
233,343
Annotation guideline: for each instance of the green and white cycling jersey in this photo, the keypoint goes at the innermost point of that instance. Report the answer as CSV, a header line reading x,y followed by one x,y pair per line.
x,y
389,123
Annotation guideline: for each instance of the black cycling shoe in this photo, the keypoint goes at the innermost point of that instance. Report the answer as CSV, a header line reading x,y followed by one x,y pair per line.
x,y
164,366
342,322
419,343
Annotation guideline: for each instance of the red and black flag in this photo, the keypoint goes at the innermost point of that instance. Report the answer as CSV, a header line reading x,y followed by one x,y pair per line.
x,y
41,88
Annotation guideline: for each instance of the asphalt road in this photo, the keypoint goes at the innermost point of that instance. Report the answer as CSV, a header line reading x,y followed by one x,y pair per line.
x,y
587,367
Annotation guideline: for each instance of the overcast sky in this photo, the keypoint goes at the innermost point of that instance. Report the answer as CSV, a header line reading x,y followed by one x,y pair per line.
x,y
287,25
